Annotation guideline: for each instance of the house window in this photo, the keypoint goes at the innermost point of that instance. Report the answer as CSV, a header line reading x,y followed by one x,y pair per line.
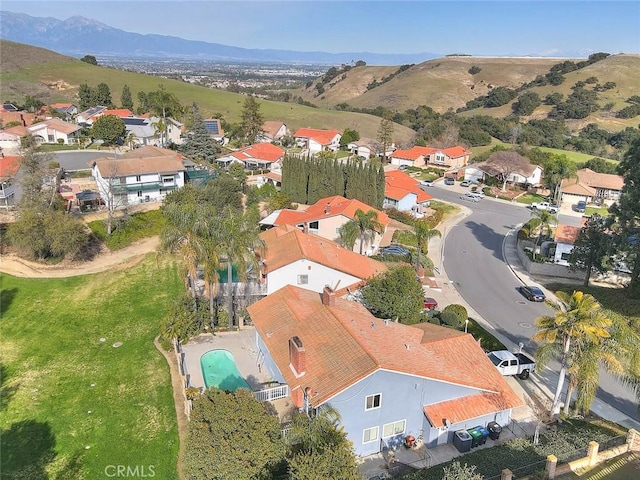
x,y
395,428
439,158
303,279
314,226
166,180
373,401
138,178
51,138
370,435
140,193
566,256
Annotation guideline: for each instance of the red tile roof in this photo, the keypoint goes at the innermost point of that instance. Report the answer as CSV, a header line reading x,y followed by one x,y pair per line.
x,y
465,408
61,105
396,182
9,166
118,112
19,130
329,207
271,127
567,233
600,180
264,152
142,163
55,124
287,244
323,137
455,152
577,188
345,343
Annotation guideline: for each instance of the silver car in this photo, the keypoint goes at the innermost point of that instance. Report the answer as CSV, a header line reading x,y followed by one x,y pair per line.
x,y
470,197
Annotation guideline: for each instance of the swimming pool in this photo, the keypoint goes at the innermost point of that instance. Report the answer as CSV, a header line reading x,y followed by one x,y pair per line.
x,y
219,370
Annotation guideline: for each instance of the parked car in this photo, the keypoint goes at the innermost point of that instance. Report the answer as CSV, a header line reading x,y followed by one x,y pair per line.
x,y
477,191
430,303
449,181
393,250
465,183
426,183
470,197
581,206
403,167
509,363
544,206
532,293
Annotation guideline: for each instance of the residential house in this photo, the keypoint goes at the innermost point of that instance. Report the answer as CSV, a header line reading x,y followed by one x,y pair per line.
x,y
325,217
68,110
515,167
144,130
9,166
142,175
55,130
386,380
10,141
449,158
16,118
403,193
316,140
592,187
565,238
293,257
259,156
274,131
87,117
118,112
366,148
214,128
8,107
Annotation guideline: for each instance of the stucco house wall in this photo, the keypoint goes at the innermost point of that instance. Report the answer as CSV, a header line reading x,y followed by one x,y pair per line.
x,y
315,274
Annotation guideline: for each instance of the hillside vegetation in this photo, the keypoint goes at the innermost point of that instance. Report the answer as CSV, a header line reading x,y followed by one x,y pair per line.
x,y
51,77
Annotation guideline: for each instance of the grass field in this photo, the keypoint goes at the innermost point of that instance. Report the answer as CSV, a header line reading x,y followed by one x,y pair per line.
x,y
73,405
136,227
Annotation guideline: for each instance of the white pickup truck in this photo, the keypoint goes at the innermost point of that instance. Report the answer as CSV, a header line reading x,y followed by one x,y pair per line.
x,y
544,206
509,363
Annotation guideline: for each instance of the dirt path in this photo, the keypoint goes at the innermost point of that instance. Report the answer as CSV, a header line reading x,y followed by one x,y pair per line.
x,y
106,260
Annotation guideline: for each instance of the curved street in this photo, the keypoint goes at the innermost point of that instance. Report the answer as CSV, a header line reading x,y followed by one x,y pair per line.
x,y
473,256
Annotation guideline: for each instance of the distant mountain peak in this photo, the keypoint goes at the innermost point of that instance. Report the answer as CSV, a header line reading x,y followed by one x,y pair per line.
x,y
80,21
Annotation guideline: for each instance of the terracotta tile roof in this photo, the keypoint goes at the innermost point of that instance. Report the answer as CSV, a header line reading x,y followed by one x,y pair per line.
x,y
17,130
9,166
287,244
567,233
600,180
345,343
455,152
55,124
274,176
329,207
468,408
25,118
323,137
575,188
263,152
118,112
60,105
271,127
413,153
130,165
150,151
397,180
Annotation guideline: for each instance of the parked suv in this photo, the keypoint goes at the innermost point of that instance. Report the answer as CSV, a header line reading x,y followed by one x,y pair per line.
x,y
449,181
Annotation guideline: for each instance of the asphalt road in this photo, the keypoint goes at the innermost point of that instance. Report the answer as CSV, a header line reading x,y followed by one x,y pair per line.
x,y
474,261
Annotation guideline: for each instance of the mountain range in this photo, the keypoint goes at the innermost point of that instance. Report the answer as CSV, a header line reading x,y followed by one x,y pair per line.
x,y
78,36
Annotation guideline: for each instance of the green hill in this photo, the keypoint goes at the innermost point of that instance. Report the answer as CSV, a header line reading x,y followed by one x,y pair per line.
x,y
50,77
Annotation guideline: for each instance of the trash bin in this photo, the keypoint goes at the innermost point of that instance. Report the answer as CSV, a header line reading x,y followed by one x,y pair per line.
x,y
484,432
462,441
476,437
494,430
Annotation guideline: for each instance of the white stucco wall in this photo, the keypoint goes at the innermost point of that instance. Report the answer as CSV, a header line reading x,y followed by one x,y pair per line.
x,y
318,276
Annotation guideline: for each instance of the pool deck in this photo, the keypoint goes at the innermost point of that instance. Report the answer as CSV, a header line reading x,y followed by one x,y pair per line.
x,y
240,343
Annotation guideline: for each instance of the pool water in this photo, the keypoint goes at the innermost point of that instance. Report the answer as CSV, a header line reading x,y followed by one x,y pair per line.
x,y
219,370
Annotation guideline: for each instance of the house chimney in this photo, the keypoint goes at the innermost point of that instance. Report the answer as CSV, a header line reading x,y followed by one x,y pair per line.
x,y
328,296
297,356
327,208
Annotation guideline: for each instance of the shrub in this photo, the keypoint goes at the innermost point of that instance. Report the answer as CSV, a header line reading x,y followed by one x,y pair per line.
x,y
450,319
459,311
475,69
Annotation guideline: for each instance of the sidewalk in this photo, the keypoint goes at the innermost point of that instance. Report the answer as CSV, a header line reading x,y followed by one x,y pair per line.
x,y
446,294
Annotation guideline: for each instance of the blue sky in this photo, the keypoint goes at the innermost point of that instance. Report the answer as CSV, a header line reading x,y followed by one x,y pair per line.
x,y
547,28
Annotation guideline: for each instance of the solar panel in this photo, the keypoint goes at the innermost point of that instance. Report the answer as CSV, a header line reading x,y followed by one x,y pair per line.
x,y
212,126
10,107
134,121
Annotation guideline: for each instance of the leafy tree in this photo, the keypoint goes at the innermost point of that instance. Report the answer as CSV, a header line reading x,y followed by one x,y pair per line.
x,y
143,103
627,213
163,104
554,98
232,435
278,201
423,232
363,226
558,168
600,165
108,128
349,136
546,220
199,145
125,99
86,97
578,316
252,120
474,69
182,321
592,247
236,171
526,103
395,294
32,104
385,136
459,312
499,96
102,95
456,471
90,59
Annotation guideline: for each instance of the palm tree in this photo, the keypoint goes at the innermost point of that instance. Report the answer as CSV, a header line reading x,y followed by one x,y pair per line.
x,y
424,233
546,219
237,243
363,226
186,232
578,316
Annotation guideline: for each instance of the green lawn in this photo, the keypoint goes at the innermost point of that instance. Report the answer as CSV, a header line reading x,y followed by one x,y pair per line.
x,y
135,227
602,211
73,405
529,198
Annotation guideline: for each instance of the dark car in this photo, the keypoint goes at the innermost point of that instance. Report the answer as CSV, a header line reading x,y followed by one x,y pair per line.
x,y
393,250
581,206
430,303
532,293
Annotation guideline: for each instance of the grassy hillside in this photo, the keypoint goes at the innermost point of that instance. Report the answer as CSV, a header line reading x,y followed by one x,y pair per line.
x,y
441,83
52,78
